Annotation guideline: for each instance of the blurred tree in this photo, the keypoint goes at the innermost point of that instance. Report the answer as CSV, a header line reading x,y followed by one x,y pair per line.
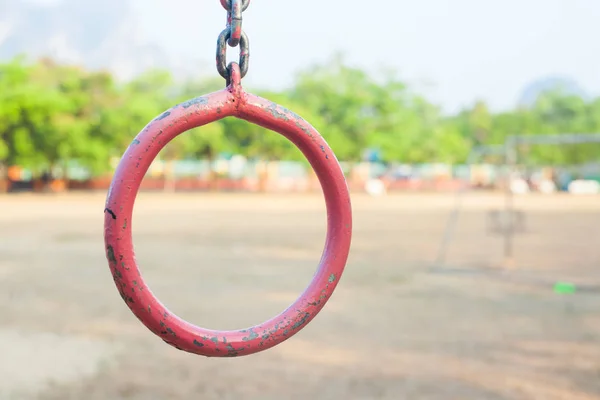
x,y
14,140
557,113
52,115
343,97
39,120
479,123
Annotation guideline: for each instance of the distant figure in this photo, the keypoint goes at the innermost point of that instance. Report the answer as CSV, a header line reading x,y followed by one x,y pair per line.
x,y
546,186
375,187
46,177
519,186
582,186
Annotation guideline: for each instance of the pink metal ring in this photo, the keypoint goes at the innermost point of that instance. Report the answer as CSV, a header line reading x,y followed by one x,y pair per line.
x,y
232,101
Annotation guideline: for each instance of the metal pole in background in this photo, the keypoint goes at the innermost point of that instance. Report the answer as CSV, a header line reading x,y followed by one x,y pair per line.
x,y
453,219
511,161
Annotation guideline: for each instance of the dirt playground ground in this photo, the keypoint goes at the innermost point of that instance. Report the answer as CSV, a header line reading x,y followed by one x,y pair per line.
x,y
394,329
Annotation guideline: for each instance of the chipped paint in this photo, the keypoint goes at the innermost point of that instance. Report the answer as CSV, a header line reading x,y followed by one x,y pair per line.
x,y
253,335
110,212
193,102
110,254
272,109
305,318
163,115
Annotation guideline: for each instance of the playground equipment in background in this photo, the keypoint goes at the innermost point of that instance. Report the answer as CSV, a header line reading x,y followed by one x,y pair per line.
x,y
508,222
235,102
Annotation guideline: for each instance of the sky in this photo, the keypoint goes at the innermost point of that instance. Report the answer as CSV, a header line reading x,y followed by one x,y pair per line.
x,y
453,51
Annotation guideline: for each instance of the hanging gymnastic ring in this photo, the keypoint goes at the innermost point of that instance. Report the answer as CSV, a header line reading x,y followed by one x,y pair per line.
x,y
231,101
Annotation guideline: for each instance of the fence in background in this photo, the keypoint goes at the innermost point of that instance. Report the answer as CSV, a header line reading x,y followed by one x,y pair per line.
x,y
238,174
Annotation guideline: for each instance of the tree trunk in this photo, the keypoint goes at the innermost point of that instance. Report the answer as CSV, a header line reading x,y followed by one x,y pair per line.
x,y
263,176
4,183
65,178
169,176
213,177
43,182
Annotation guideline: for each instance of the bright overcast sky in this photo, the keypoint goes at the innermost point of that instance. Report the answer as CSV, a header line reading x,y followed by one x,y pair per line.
x,y
455,51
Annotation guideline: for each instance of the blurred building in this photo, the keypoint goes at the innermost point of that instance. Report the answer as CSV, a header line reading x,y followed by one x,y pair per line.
x,y
564,85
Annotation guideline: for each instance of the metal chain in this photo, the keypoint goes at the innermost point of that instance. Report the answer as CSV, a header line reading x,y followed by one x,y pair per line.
x,y
227,4
234,36
222,54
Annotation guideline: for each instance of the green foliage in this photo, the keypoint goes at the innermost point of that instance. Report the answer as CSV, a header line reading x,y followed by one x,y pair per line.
x,y
52,115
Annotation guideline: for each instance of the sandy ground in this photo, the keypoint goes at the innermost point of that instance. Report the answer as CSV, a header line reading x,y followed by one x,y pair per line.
x,y
394,329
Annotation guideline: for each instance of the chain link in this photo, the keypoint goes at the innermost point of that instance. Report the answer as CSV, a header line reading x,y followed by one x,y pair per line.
x,y
222,54
234,22
234,36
